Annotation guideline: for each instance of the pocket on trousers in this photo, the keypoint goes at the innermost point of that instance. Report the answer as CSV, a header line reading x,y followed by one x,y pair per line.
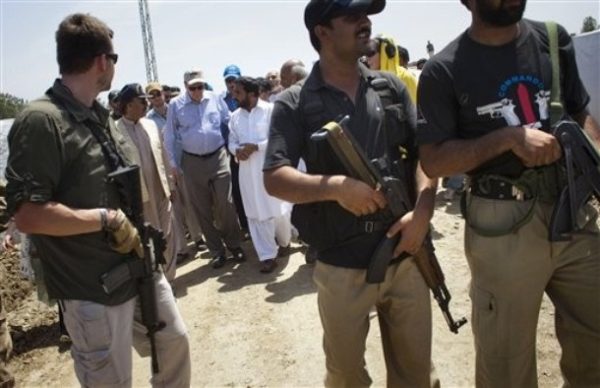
x,y
484,321
491,217
95,326
91,351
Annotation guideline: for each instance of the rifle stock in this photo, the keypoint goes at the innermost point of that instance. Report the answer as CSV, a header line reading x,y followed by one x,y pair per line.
x,y
360,167
581,160
127,180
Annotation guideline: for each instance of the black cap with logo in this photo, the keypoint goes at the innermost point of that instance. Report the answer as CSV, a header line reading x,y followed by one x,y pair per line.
x,y
320,11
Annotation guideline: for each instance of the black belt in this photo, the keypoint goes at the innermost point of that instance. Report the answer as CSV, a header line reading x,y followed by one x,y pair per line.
x,y
498,189
374,226
203,156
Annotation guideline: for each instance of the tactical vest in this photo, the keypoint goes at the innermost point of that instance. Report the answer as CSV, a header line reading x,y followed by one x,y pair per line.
x,y
325,225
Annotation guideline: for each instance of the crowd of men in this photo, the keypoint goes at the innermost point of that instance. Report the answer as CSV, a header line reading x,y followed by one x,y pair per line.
x,y
195,149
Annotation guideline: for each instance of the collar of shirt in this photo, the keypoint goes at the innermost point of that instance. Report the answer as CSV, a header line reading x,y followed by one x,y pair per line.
x,y
188,100
79,111
153,112
130,123
315,79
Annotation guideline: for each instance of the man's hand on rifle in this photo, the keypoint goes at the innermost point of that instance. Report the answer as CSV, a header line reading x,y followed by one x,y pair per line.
x,y
358,198
124,236
413,229
535,147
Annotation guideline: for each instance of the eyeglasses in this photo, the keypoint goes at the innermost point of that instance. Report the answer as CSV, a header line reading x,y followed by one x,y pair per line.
x,y
113,57
194,88
155,95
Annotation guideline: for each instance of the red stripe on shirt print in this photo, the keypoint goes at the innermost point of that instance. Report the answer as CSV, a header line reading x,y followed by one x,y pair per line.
x,y
525,103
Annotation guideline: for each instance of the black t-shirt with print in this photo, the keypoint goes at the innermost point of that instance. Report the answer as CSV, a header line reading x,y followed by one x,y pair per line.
x,y
470,89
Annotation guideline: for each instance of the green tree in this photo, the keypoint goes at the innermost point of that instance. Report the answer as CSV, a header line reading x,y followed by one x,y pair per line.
x,y
10,105
589,24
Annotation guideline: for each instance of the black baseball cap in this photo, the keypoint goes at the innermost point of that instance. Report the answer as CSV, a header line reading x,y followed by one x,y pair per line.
x,y
131,91
321,11
112,95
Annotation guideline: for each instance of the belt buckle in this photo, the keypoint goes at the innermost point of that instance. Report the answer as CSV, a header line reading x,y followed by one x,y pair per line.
x,y
517,193
369,226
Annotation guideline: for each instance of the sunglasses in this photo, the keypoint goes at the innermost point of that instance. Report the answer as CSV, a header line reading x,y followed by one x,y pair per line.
x,y
154,95
194,88
113,57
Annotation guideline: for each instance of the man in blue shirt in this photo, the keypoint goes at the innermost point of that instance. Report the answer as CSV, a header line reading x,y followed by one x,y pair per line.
x,y
196,117
230,74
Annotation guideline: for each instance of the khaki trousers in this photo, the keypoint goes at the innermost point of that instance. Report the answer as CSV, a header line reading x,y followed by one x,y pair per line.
x,y
510,273
404,311
103,336
208,184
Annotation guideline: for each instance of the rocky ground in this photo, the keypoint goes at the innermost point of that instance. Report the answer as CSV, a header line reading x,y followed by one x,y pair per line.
x,y
254,330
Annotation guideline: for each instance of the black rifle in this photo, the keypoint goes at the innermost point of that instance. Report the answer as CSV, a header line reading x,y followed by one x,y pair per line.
x,y
581,160
127,180
377,174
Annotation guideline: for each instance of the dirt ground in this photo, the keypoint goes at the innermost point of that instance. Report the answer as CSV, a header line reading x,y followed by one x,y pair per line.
x,y
254,330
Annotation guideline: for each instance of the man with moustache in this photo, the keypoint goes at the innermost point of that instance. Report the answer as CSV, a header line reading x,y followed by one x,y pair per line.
x,y
268,217
505,59
61,149
340,216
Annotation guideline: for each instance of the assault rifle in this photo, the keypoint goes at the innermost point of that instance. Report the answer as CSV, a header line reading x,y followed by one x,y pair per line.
x,y
581,160
377,174
127,180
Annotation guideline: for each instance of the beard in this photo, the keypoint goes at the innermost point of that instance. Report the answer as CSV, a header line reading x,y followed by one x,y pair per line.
x,y
501,16
244,104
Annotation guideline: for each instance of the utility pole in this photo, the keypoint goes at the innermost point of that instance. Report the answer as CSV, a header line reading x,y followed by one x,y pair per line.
x,y
151,68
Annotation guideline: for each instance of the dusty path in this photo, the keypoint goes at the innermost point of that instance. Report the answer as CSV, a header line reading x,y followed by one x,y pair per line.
x,y
254,330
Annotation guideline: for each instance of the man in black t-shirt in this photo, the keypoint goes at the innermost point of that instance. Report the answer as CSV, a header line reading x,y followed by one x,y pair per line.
x,y
484,102
339,214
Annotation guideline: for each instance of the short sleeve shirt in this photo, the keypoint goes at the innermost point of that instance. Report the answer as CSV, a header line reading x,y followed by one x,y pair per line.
x,y
470,89
53,156
290,139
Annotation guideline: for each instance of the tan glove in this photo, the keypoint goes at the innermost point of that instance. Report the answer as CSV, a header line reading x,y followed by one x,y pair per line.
x,y
6,344
124,236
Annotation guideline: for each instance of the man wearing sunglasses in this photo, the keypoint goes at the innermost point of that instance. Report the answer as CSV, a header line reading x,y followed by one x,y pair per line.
x,y
61,149
197,117
337,214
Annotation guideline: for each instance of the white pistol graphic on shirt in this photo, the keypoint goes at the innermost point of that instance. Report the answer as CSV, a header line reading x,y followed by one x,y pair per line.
x,y
503,108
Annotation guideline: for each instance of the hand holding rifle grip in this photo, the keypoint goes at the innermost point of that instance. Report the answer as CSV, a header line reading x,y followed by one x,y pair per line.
x,y
360,167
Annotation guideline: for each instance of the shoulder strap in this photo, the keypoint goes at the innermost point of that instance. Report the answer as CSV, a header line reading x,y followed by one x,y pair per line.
x,y
556,108
108,147
382,87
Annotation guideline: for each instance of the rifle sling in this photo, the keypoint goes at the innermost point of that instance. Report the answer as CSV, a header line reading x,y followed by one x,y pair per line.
x,y
556,107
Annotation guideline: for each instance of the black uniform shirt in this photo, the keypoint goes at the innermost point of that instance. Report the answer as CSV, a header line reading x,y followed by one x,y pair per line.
x,y
289,140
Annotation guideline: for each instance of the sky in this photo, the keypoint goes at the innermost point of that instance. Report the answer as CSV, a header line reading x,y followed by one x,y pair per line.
x,y
256,35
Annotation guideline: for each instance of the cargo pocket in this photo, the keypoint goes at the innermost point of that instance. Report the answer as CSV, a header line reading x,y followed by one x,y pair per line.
x,y
484,321
495,218
92,346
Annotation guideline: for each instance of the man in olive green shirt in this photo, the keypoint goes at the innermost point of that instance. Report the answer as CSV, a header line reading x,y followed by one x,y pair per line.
x,y
61,148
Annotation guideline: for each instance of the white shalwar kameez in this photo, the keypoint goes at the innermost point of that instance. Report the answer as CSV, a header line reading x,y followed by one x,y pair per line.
x,y
268,217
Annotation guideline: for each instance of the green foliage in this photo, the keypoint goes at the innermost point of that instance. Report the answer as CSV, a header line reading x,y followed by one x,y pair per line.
x,y
10,105
589,24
